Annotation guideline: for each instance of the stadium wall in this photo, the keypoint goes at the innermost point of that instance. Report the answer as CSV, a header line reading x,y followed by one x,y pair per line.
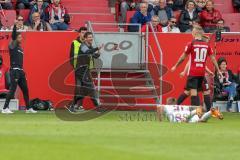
x,y
47,51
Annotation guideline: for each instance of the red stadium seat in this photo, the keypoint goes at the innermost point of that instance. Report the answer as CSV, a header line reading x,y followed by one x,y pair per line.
x,y
219,1
232,20
177,15
117,10
25,13
90,10
94,3
129,16
8,17
224,6
78,9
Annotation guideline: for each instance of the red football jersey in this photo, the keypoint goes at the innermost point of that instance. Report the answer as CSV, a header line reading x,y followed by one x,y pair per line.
x,y
199,51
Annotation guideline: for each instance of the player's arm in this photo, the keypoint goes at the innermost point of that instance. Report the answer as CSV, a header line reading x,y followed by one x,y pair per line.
x,y
86,50
214,61
215,64
209,71
14,34
183,73
180,60
13,43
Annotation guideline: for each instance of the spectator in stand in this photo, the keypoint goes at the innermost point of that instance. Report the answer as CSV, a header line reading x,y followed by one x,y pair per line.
x,y
221,26
227,82
25,4
150,3
163,12
140,17
20,24
171,27
170,3
176,4
209,17
188,17
155,23
236,4
40,7
47,1
200,5
126,5
38,24
57,16
6,4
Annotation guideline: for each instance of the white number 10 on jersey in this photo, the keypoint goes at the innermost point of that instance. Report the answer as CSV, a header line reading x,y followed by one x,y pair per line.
x,y
201,54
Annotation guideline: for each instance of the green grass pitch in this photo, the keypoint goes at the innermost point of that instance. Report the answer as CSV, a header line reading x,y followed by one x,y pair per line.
x,y
116,137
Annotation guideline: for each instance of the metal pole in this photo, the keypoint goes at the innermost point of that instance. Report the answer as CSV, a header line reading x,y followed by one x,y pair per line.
x,y
161,61
147,46
89,24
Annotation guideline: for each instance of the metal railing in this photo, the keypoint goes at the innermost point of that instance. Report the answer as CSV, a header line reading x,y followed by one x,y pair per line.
x,y
160,69
89,26
147,49
122,27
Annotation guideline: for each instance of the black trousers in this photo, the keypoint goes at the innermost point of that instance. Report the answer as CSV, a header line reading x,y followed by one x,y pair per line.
x,y
17,78
84,86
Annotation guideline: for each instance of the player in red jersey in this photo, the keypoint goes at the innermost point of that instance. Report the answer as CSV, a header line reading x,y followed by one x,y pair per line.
x,y
198,50
205,89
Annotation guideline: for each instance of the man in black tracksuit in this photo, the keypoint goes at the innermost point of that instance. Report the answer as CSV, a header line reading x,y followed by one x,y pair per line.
x,y
84,82
17,74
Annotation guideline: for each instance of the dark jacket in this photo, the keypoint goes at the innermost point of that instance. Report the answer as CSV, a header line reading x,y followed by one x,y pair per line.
x,y
85,54
236,3
139,18
16,51
231,78
40,10
185,20
178,5
168,10
150,8
25,2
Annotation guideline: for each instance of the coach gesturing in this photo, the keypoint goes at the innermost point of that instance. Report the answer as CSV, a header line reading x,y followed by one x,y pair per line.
x,y
82,71
17,74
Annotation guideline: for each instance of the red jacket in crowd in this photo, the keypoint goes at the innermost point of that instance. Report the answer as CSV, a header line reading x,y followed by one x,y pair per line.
x,y
210,19
158,28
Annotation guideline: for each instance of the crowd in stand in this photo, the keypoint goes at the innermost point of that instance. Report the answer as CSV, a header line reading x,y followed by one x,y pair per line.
x,y
236,4
227,86
44,15
192,12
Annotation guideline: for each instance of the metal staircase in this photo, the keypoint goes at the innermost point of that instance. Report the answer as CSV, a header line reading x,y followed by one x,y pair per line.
x,y
131,87
126,89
